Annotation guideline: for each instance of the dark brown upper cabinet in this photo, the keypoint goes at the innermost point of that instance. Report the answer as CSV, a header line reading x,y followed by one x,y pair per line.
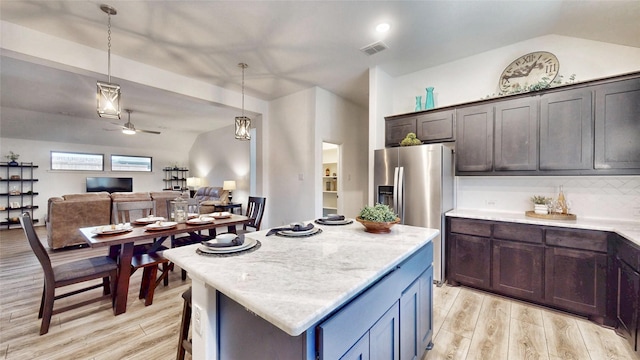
x,y
474,138
566,135
617,125
516,134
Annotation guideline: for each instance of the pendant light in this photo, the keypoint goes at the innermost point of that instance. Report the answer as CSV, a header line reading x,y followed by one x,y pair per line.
x,y
108,94
243,123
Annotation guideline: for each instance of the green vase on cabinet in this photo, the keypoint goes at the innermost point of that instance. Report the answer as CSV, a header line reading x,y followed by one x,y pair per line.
x,y
429,104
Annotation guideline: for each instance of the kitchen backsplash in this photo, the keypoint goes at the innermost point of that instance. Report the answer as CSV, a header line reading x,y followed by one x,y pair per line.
x,y
604,197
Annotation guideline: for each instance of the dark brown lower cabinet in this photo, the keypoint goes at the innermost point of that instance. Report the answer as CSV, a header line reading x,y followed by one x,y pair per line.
x,y
470,260
517,270
627,268
575,280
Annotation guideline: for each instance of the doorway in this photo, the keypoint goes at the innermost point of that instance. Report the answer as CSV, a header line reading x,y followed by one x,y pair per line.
x,y
331,203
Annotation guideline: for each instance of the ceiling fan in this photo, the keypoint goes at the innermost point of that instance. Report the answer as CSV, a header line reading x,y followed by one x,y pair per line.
x,y
128,127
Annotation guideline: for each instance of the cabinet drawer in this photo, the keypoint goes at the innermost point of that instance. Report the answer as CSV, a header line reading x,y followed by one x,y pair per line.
x,y
629,253
471,227
524,233
578,239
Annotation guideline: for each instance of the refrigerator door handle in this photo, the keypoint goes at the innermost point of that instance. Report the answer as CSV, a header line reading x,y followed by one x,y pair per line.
x,y
400,208
395,188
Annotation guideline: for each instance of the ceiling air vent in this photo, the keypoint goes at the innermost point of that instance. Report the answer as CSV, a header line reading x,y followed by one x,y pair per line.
x,y
374,48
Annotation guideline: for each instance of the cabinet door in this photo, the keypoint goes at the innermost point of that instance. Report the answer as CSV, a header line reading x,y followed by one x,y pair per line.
x,y
474,138
397,129
576,280
566,137
384,336
410,322
470,260
628,302
359,351
425,311
435,126
516,135
618,125
517,269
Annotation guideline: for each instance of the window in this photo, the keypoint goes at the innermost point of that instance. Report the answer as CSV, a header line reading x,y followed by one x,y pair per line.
x,y
130,163
76,161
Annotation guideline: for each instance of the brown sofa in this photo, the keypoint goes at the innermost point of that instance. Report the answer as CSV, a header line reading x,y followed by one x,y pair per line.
x,y
68,213
210,196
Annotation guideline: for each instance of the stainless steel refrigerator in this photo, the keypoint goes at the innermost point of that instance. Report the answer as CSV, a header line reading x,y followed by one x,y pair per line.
x,y
417,182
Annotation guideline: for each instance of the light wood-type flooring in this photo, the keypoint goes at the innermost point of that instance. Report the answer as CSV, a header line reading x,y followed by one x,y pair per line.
x,y
468,324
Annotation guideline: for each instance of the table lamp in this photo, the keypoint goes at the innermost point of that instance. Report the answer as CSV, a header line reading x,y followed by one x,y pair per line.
x,y
229,185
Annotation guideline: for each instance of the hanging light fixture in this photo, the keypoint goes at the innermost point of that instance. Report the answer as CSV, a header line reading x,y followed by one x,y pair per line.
x,y
243,123
108,94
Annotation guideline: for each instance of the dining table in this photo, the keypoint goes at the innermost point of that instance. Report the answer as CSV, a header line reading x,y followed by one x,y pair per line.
x,y
121,246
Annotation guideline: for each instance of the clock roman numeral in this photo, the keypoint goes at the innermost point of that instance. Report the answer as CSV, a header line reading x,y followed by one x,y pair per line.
x,y
550,68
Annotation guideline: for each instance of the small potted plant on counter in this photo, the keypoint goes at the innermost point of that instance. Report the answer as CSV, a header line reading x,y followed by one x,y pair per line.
x,y
540,204
378,219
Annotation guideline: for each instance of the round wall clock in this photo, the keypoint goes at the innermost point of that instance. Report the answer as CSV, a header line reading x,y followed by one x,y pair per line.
x,y
530,69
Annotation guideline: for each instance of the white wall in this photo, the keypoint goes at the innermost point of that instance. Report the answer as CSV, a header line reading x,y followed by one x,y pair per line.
x,y
290,165
476,77
341,122
56,183
217,156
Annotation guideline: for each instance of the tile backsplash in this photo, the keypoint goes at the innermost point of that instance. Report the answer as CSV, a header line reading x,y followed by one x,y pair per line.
x,y
603,197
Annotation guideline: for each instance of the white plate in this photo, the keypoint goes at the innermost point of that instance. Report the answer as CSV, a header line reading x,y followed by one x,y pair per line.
x,y
149,219
162,226
107,230
248,244
200,220
298,233
334,222
221,215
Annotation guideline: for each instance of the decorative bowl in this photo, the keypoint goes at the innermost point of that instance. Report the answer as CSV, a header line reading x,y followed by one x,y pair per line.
x,y
376,227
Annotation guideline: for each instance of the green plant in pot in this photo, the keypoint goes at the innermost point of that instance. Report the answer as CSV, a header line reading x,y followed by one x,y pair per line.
x,y
377,219
410,140
540,204
13,157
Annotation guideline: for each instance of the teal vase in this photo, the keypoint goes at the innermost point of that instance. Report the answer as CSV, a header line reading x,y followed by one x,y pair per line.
x,y
428,104
418,103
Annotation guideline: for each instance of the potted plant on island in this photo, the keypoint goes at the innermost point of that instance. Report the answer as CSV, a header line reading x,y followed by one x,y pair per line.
x,y
377,219
13,157
540,204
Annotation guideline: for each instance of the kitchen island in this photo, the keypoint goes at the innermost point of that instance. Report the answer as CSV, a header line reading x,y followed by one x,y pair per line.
x,y
314,297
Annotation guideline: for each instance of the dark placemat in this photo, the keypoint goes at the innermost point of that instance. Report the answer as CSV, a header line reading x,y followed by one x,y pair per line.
x,y
317,221
237,253
300,236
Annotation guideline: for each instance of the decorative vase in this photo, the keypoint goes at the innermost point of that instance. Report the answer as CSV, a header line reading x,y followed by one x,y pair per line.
x,y
13,163
418,103
428,104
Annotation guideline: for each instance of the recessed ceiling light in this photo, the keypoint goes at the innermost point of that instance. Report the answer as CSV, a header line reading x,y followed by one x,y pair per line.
x,y
384,27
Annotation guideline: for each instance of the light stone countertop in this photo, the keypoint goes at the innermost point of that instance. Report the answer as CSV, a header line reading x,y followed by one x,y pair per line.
x,y
294,283
628,229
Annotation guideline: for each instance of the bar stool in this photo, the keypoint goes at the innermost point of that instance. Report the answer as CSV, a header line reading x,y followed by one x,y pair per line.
x,y
184,344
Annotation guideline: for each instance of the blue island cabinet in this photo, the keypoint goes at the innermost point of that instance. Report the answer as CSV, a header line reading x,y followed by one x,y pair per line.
x,y
389,321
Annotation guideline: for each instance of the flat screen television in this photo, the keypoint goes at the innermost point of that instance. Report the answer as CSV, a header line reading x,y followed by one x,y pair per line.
x,y
109,184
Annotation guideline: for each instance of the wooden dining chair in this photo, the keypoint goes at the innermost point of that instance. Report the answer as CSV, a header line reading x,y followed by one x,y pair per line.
x,y
255,210
184,343
150,261
57,276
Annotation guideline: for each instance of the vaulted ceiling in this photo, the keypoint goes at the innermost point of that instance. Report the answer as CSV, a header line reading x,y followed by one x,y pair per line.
x,y
289,46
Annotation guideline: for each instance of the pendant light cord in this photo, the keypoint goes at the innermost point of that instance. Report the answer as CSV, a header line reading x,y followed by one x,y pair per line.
x,y
109,47
243,67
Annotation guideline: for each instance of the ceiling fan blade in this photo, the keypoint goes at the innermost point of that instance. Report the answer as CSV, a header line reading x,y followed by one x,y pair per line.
x,y
148,131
